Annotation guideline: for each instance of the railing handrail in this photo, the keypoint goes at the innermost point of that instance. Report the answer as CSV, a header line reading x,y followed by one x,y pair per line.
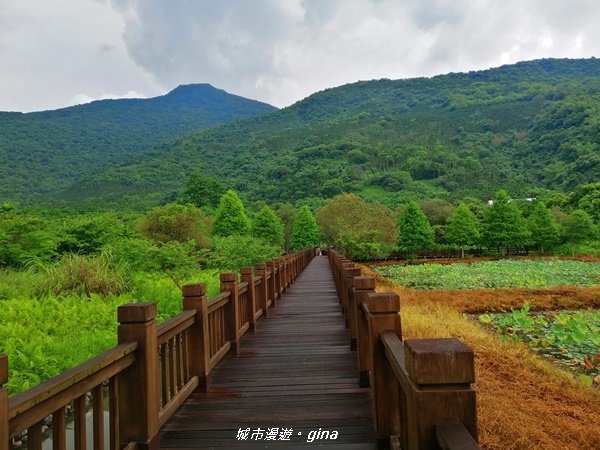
x,y
175,325
31,406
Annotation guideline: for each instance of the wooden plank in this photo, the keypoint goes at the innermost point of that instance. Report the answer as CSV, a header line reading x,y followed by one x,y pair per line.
x,y
454,436
296,371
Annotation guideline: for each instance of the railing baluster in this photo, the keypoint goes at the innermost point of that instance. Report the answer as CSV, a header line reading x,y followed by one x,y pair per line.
x,y
79,433
59,431
173,366
34,437
113,407
98,412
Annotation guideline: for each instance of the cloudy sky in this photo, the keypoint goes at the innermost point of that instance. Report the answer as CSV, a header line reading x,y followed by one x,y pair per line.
x,y
55,53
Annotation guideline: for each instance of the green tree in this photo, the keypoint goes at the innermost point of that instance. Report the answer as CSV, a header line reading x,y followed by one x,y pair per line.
x,y
356,228
175,222
578,227
503,223
203,191
234,252
462,228
230,218
267,226
543,227
23,237
414,229
287,213
305,232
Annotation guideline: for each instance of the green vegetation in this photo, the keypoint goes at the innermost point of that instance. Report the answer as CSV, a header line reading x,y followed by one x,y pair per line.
x,y
358,229
230,218
305,231
267,226
414,229
503,223
571,339
463,228
529,128
508,273
62,275
50,154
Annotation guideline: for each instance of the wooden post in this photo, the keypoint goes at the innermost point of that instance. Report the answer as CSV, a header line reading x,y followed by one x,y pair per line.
x,y
441,372
362,287
247,275
272,290
383,315
349,274
343,293
279,263
232,312
139,384
263,292
194,298
4,441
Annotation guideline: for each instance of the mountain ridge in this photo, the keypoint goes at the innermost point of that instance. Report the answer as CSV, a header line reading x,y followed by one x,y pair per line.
x,y
76,141
529,127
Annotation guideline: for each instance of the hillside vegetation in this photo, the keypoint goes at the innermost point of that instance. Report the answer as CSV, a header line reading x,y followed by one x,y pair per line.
x,y
531,128
46,152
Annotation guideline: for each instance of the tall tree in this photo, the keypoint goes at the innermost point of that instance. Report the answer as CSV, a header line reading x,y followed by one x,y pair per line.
x,y
543,227
357,228
230,218
173,222
287,213
305,232
503,223
414,229
267,225
203,191
578,228
462,228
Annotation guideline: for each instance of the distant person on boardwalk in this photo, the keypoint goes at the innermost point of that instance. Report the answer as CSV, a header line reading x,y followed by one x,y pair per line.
x,y
318,251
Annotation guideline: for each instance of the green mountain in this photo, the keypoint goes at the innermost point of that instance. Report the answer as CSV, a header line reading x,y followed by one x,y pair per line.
x,y
46,152
528,127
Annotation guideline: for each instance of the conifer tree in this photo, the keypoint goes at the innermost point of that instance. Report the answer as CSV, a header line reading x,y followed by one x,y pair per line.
x,y
414,229
578,227
503,223
543,227
267,225
305,232
230,218
462,228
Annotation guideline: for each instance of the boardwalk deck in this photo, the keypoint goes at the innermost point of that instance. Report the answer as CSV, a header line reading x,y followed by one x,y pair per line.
x,y
296,373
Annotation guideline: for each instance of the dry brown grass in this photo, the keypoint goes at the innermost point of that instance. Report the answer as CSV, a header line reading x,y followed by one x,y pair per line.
x,y
524,402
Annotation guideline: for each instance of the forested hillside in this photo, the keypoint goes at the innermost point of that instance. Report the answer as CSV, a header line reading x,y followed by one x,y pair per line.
x,y
530,128
526,127
46,152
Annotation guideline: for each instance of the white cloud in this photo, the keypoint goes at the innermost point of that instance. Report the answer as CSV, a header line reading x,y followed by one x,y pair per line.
x,y
274,50
81,99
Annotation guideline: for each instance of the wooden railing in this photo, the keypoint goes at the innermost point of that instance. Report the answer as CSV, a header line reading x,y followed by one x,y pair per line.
x,y
152,370
420,388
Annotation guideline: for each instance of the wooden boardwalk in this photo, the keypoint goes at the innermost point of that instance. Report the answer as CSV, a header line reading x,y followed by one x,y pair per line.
x,y
296,374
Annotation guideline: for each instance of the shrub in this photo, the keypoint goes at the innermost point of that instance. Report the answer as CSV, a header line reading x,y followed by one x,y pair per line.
x,y
80,275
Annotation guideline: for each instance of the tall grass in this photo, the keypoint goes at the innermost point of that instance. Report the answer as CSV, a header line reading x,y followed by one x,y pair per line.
x,y
83,275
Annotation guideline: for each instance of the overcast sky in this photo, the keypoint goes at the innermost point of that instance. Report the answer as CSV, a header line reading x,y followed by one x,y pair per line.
x,y
56,53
